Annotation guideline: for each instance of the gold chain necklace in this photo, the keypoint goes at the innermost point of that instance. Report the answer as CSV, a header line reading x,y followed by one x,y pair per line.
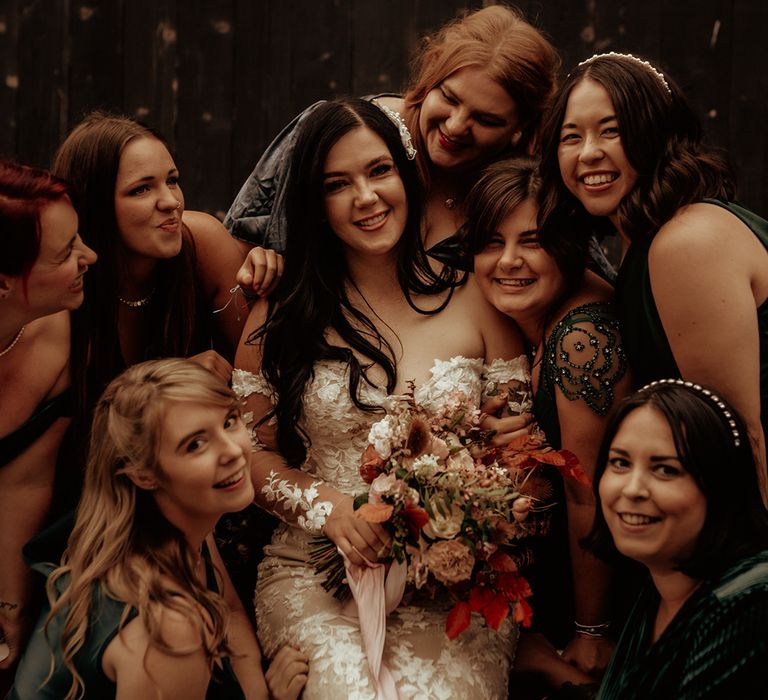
x,y
13,342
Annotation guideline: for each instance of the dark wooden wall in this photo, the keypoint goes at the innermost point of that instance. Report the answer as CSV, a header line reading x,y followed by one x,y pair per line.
x,y
220,77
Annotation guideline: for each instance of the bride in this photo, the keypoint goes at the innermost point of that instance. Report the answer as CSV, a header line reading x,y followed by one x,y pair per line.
x,y
357,316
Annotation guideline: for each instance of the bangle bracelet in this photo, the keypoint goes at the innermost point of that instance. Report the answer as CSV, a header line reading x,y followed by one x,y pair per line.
x,y
597,631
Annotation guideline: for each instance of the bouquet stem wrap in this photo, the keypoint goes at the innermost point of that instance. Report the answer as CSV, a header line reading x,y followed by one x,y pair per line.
x,y
376,593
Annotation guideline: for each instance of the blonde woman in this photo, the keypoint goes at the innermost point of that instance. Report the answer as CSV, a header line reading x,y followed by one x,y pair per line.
x,y
142,606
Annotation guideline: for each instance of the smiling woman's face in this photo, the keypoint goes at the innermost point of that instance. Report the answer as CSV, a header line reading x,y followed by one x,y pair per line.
x,y
55,281
149,202
593,164
654,508
204,457
467,121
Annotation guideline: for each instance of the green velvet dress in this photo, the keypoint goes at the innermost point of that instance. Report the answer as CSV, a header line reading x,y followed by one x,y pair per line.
x,y
645,341
716,647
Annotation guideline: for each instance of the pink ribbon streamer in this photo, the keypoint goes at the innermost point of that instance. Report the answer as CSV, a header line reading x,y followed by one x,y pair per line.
x,y
376,594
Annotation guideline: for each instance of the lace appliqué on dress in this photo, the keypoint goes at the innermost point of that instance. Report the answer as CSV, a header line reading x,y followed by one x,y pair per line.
x,y
294,498
584,355
515,376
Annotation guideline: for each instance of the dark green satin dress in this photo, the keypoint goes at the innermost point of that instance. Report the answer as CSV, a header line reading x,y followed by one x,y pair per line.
x,y
645,341
30,682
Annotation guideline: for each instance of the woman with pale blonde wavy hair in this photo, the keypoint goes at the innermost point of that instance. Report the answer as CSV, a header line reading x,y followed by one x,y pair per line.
x,y
141,605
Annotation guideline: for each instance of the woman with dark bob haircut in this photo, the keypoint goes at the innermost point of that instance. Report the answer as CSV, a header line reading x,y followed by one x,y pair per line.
x,y
677,489
359,316
622,147
579,371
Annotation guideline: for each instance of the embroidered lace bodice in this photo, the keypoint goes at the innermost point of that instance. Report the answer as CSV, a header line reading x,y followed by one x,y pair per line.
x,y
291,605
339,429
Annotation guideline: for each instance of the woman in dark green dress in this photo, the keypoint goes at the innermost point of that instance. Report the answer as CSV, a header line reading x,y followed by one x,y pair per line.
x,y
623,148
142,606
565,314
666,501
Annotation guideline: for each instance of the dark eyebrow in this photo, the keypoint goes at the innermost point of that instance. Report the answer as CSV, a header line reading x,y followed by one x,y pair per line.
x,y
369,164
529,232
654,458
604,120
187,438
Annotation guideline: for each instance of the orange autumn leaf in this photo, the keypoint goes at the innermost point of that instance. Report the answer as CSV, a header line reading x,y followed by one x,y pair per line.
x,y
458,620
371,465
496,611
374,512
523,613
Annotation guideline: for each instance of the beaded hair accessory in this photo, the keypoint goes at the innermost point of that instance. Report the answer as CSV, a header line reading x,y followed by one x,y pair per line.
x,y
634,59
405,135
713,398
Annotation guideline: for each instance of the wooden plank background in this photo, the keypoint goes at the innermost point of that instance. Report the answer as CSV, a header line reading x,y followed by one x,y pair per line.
x,y
220,77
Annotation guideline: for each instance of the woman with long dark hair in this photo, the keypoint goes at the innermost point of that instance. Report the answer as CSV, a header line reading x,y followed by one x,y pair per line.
x,y
623,149
479,87
357,316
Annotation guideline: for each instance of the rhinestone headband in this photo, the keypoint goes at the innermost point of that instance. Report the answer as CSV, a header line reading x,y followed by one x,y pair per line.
x,y
714,398
397,120
635,59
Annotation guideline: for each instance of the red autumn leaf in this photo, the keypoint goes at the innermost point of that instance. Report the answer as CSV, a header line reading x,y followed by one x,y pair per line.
x,y
374,512
514,586
523,613
500,561
416,518
371,465
553,457
496,611
479,598
573,469
458,619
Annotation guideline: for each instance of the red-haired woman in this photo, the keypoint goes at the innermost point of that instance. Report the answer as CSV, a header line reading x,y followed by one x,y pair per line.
x,y
42,263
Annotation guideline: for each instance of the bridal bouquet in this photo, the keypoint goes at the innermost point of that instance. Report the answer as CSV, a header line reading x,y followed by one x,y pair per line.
x,y
456,509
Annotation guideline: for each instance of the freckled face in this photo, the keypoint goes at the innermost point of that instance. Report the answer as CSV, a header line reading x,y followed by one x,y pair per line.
x,y
365,201
148,200
514,272
593,164
55,281
467,121
654,508
204,461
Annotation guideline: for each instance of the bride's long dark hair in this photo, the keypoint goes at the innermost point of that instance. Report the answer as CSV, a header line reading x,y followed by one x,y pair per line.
x,y
312,298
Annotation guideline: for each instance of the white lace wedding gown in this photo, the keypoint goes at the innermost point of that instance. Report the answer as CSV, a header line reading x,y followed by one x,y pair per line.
x,y
292,607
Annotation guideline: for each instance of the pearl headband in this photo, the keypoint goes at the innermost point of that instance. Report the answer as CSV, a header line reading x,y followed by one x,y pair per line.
x,y
397,120
713,398
634,59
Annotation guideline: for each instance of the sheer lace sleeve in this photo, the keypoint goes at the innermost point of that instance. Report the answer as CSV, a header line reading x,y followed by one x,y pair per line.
x,y
584,356
295,496
514,377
